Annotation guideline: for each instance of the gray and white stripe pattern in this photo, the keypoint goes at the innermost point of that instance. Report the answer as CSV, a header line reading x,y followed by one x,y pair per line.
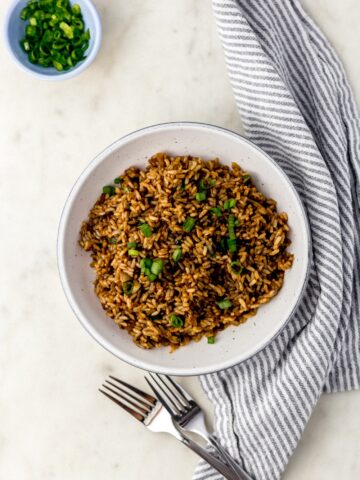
x,y
296,103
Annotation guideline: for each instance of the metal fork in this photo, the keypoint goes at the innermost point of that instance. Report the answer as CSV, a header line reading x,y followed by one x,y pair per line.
x,y
149,411
187,414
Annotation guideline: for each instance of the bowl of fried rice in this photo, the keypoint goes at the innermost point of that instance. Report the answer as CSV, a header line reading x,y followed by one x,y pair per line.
x,y
183,248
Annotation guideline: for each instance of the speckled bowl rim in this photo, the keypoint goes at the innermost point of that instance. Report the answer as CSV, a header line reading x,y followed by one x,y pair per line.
x,y
67,290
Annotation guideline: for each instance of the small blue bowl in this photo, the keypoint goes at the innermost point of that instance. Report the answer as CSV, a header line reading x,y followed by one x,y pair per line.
x,y
14,29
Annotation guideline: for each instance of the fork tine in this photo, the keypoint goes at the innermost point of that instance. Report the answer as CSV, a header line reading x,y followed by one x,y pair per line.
x,y
139,400
142,394
165,403
185,397
132,412
136,405
180,405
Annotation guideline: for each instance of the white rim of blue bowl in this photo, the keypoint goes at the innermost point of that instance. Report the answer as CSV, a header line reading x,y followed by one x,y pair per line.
x,y
73,304
61,76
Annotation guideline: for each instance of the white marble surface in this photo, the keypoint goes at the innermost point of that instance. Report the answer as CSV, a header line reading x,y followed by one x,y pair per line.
x,y
161,60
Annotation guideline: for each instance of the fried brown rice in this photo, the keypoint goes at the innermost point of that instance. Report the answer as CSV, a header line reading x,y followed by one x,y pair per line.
x,y
184,248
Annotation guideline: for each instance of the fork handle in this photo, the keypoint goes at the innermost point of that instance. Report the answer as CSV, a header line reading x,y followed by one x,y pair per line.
x,y
220,466
242,475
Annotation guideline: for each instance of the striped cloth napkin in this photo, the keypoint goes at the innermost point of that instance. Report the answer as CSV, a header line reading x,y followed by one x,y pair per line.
x,y
295,103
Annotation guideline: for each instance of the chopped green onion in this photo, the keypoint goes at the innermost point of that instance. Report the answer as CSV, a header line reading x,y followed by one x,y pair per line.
x,y
224,304
133,253
33,56
216,211
246,178
176,256
60,26
30,31
146,229
25,13
117,180
151,276
131,245
109,190
231,203
76,9
211,340
236,267
145,264
68,31
156,267
176,321
206,184
128,287
231,245
113,240
231,227
58,66
26,46
189,224
200,196
203,185
47,37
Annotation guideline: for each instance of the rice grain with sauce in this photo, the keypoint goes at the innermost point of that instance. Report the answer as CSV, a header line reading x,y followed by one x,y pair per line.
x,y
183,249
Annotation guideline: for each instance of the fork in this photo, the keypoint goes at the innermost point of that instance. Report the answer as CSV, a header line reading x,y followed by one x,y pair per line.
x,y
150,412
187,414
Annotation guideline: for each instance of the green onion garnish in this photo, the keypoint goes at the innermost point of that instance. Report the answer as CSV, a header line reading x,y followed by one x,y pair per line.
x,y
200,196
156,267
131,245
145,263
151,268
246,178
224,304
231,244
151,276
176,321
216,211
146,229
176,256
231,203
206,184
109,190
211,340
67,30
76,9
189,224
231,227
236,267
55,35
133,253
117,180
113,240
128,287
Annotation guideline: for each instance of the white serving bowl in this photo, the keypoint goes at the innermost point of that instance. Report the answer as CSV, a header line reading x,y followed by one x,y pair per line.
x,y
233,345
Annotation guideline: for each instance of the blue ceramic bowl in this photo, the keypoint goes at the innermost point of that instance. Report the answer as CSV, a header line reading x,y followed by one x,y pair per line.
x,y
14,30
